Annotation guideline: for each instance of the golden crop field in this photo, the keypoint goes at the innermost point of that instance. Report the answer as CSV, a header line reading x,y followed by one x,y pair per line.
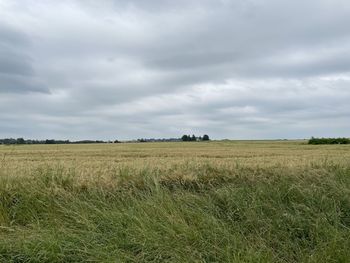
x,y
101,159
217,201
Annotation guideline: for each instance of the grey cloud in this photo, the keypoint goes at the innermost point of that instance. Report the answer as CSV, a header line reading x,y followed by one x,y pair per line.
x,y
18,84
16,66
100,69
11,37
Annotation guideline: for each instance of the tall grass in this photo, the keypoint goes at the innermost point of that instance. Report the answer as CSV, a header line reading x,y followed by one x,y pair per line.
x,y
187,213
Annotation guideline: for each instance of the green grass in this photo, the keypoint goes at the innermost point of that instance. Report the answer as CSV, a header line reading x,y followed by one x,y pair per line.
x,y
190,212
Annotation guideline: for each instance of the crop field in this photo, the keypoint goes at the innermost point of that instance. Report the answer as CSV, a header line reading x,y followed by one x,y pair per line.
x,y
216,201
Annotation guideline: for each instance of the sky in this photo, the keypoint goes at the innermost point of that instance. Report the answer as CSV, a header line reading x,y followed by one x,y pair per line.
x,y
113,69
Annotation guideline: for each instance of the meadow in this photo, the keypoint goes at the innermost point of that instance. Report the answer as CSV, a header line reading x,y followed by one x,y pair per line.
x,y
216,201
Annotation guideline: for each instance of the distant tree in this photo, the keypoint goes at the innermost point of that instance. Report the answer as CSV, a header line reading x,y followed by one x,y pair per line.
x,y
184,138
50,141
116,141
9,141
200,138
20,141
193,138
205,137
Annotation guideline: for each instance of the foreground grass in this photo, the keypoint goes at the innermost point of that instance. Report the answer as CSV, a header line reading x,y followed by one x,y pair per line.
x,y
186,213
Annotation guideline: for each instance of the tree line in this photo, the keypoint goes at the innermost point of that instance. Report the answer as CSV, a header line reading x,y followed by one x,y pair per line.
x,y
20,141
193,138
329,141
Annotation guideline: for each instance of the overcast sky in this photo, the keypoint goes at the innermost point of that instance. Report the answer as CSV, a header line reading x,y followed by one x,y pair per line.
x,y
240,69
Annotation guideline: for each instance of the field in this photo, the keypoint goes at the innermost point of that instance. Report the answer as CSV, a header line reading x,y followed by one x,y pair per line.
x,y
217,201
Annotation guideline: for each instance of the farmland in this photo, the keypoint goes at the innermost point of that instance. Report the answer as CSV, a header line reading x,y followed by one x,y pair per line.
x,y
217,201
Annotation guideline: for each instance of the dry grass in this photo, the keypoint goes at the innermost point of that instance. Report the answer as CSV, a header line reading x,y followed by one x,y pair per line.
x,y
101,159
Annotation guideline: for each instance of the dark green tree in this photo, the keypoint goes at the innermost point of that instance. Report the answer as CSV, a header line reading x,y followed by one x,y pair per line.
x,y
205,137
20,141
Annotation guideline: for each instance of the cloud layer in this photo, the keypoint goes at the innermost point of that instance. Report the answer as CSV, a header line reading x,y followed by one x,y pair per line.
x,y
128,69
